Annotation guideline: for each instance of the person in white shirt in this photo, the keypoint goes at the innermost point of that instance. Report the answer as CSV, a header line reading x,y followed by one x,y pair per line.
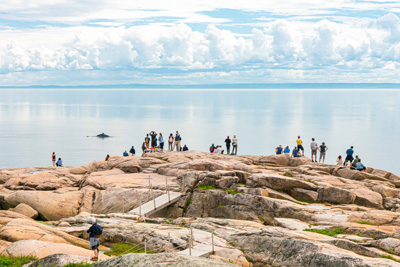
x,y
314,149
339,161
219,150
234,144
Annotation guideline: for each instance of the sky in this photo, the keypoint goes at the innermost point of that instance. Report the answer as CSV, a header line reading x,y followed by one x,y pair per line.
x,y
100,42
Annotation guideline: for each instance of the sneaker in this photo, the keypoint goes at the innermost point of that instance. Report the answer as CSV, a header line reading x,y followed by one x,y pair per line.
x,y
94,259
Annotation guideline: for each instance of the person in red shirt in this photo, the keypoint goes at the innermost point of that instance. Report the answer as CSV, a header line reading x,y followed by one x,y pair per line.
x,y
53,158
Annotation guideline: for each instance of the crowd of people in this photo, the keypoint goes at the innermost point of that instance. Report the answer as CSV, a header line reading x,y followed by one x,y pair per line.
x,y
155,142
298,151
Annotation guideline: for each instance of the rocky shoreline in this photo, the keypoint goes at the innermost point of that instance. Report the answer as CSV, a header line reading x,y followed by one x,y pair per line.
x,y
260,211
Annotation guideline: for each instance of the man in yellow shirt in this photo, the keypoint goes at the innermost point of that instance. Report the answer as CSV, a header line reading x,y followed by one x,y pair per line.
x,y
300,145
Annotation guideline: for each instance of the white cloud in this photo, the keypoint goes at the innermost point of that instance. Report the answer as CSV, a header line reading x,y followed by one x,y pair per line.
x,y
295,50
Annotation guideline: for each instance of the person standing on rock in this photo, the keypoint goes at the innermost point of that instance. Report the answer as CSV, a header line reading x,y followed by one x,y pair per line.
x,y
94,232
161,141
228,145
53,158
170,142
132,151
314,149
147,140
153,135
300,145
349,156
234,145
322,152
279,150
177,143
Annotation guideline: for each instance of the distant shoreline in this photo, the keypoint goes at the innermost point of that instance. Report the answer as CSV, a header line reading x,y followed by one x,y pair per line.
x,y
243,86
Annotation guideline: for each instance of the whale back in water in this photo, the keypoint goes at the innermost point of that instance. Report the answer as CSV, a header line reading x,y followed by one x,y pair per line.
x,y
102,135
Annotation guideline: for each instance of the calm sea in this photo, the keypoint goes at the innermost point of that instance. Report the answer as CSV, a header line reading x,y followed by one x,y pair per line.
x,y
36,122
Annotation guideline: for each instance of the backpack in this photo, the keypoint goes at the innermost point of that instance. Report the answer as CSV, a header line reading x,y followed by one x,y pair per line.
x,y
211,149
97,230
171,139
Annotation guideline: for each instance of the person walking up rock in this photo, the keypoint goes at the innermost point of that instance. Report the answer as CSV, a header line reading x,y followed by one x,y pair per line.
x,y
228,145
94,232
234,145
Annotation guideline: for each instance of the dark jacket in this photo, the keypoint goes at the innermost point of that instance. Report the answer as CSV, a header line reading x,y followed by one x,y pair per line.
x,y
92,230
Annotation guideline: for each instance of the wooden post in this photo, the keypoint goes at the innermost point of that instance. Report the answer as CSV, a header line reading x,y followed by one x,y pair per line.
x,y
154,199
191,235
149,183
212,242
140,206
145,246
190,248
167,188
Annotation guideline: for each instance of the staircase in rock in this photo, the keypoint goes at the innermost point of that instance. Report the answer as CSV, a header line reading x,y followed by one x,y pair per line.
x,y
156,204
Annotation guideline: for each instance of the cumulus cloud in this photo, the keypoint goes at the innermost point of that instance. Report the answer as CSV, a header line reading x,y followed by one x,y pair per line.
x,y
296,50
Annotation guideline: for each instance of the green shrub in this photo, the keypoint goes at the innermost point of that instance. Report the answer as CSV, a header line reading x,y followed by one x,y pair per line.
x,y
288,174
83,264
206,187
336,231
234,192
15,261
121,248
363,222
389,257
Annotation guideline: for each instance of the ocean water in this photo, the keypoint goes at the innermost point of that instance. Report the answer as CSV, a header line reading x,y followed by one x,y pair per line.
x,y
36,122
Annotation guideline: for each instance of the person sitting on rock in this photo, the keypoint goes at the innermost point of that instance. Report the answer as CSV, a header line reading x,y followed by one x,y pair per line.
x,y
287,151
339,160
212,148
295,153
185,148
94,232
354,164
107,157
360,166
279,150
59,163
125,154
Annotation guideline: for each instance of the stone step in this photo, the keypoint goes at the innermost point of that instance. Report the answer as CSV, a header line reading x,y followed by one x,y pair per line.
x,y
195,253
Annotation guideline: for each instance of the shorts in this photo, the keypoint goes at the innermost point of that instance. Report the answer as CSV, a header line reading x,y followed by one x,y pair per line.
x,y
349,158
300,147
94,243
314,152
322,155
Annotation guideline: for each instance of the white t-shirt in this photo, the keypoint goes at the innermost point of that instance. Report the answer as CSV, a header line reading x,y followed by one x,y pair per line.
x,y
314,145
219,150
339,161
234,141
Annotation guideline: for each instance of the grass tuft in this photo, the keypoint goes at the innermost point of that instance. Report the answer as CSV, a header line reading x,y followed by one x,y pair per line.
x,y
327,231
15,261
121,248
206,187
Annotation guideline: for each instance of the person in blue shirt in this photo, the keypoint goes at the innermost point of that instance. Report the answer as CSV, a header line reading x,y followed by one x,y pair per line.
x,y
349,156
161,141
360,166
295,152
279,150
287,151
185,148
125,154
59,163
